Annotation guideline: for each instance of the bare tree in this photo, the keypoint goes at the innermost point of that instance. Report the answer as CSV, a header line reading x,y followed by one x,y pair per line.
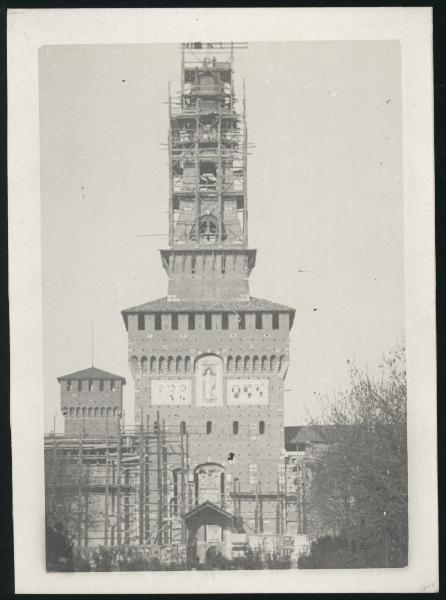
x,y
66,493
359,483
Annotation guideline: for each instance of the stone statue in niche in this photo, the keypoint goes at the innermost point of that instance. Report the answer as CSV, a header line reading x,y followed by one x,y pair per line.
x,y
209,381
209,386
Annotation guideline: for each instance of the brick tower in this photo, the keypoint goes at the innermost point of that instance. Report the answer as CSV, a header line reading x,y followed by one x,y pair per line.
x,y
91,402
209,358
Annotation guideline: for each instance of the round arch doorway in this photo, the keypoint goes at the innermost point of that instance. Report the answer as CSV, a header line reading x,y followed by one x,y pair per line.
x,y
207,525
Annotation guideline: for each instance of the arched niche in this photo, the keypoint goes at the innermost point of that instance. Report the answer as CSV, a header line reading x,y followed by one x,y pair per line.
x,y
209,380
209,483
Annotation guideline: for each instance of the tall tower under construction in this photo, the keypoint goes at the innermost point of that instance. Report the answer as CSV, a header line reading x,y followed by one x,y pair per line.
x,y
209,359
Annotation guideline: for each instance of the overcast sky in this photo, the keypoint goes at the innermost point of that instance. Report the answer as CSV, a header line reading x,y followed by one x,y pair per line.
x,y
325,202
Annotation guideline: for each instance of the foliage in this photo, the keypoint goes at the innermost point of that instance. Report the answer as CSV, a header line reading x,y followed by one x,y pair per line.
x,y
329,552
65,499
358,489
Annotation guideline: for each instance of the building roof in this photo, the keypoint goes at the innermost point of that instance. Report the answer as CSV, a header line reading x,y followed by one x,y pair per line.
x,y
310,434
165,305
91,373
210,513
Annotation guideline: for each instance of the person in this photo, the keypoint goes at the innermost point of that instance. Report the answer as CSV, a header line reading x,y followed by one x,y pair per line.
x,y
62,549
51,557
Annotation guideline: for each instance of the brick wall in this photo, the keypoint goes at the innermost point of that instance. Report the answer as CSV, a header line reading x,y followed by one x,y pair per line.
x,y
250,354
90,410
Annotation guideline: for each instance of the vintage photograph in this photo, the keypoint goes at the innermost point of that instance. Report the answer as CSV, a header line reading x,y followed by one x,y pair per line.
x,y
216,400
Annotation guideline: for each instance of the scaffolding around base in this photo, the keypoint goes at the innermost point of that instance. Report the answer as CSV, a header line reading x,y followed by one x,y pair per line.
x,y
135,488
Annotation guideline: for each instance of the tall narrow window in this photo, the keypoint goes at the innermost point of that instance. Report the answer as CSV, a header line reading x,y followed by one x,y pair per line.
x,y
183,427
275,320
223,264
141,322
258,320
241,321
252,473
281,472
175,321
262,427
191,321
208,321
235,427
224,321
193,262
90,386
209,427
158,321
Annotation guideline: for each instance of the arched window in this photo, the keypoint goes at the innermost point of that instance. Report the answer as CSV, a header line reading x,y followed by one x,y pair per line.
x,y
264,363
235,427
170,363
90,412
96,412
230,363
144,364
102,412
281,363
162,360
262,427
179,364
208,225
209,427
238,364
247,364
255,364
183,427
272,363
209,479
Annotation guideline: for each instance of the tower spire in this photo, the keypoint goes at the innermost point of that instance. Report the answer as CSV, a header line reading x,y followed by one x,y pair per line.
x,y
207,257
